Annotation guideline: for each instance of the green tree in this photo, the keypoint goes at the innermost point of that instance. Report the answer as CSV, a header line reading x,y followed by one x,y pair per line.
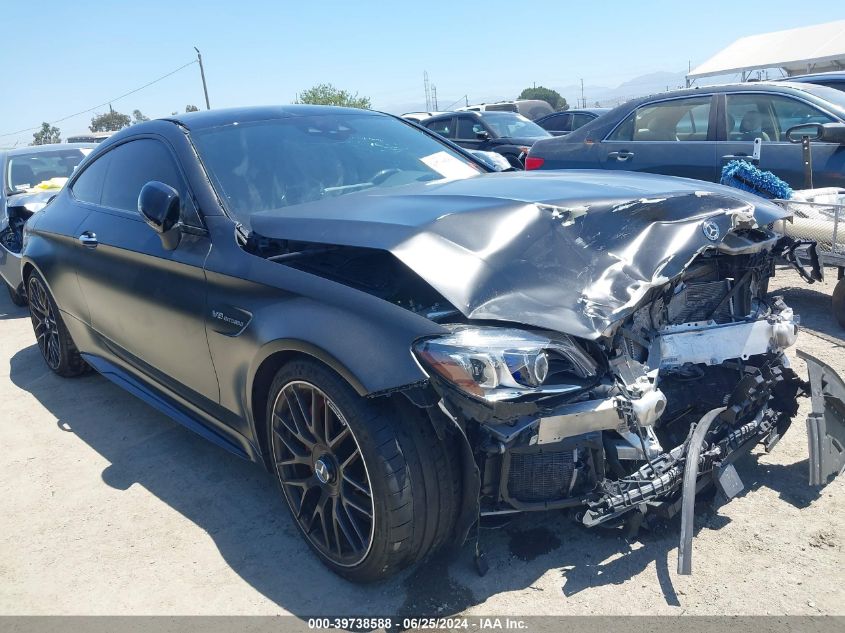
x,y
138,117
327,94
47,134
110,121
191,108
552,97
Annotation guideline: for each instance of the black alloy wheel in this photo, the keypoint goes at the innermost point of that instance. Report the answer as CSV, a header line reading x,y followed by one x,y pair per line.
x,y
322,473
51,335
44,322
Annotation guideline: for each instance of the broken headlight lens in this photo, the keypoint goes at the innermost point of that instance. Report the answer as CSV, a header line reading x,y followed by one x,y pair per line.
x,y
500,363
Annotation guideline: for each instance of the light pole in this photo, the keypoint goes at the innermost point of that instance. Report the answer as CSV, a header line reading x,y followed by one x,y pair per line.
x,y
202,74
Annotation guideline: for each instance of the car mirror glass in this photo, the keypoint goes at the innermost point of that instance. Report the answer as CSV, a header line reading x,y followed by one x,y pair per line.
x,y
796,133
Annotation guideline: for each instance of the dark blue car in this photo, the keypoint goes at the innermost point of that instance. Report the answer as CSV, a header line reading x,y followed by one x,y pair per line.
x,y
695,132
835,79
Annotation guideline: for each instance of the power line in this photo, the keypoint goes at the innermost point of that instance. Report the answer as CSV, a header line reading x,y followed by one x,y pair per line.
x,y
105,103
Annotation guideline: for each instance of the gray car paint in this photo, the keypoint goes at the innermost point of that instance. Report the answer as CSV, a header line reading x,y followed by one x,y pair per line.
x,y
558,251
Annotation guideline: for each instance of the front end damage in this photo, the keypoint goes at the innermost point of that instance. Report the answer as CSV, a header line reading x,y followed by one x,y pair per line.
x,y
630,426
596,353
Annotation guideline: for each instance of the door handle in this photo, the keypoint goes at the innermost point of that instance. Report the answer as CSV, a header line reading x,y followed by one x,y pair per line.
x,y
621,156
739,156
88,239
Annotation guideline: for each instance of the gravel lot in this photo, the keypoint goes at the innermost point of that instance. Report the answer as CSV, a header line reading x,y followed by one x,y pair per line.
x,y
111,508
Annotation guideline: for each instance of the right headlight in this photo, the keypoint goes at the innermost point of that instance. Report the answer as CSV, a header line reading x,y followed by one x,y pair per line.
x,y
495,363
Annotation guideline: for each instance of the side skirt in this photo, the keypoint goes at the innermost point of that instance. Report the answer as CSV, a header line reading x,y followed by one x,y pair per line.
x,y
166,405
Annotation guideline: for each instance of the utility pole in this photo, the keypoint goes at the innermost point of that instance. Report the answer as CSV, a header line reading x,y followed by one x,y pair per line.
x,y
434,97
427,92
583,100
202,74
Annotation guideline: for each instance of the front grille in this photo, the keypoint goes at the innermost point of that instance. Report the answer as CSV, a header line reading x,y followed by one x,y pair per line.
x,y
540,476
697,301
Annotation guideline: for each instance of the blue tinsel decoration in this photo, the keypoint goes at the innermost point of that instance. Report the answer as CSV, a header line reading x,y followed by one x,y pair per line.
x,y
743,175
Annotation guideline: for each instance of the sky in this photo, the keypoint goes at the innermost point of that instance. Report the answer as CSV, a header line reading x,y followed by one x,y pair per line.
x,y
67,57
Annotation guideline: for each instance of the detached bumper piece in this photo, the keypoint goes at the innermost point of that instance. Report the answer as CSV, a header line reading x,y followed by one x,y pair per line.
x,y
826,422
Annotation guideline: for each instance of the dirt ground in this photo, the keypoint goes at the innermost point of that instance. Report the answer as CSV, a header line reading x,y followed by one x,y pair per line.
x,y
108,507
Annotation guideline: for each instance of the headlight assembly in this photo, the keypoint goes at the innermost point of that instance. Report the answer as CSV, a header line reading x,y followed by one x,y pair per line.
x,y
496,363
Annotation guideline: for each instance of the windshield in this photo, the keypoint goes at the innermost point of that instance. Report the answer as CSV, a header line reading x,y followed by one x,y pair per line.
x,y
43,170
285,162
834,98
512,125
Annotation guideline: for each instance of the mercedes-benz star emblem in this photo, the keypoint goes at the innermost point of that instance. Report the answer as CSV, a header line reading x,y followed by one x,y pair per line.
x,y
710,230
321,469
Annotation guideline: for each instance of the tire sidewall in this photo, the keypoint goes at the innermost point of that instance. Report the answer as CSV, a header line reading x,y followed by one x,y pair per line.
x,y
355,411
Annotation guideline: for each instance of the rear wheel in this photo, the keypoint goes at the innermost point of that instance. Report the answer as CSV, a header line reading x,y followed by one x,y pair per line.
x,y
371,490
17,298
51,335
839,302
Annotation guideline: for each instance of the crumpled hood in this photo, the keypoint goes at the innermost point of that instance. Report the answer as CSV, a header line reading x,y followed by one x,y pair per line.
x,y
571,251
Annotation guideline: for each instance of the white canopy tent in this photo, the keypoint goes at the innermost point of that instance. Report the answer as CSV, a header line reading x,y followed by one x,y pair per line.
x,y
808,49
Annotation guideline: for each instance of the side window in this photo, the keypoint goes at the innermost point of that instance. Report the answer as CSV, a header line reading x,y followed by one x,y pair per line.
x,y
443,127
558,123
579,119
89,186
790,112
133,165
750,116
675,120
468,128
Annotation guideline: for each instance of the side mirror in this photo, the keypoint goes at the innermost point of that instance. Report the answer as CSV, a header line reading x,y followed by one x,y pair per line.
x,y
825,132
483,135
813,131
160,207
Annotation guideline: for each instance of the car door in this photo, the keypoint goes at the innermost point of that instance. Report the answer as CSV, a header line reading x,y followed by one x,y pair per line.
x,y
768,116
467,130
675,136
147,304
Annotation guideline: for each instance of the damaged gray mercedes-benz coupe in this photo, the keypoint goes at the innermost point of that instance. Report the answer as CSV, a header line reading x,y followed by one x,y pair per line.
x,y
409,342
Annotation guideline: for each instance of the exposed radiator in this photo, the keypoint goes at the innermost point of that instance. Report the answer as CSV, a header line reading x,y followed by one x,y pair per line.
x,y
697,301
541,476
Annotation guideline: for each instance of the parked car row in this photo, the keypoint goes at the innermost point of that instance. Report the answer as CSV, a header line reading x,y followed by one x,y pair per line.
x,y
693,133
507,133
408,340
500,128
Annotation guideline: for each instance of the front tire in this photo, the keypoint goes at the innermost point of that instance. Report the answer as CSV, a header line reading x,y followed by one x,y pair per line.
x,y
371,488
51,335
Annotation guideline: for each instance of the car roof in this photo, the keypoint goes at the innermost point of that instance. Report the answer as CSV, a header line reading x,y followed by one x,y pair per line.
x,y
227,116
753,86
49,147
577,110
833,74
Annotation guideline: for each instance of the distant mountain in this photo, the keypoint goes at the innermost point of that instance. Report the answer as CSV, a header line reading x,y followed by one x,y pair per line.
x,y
637,87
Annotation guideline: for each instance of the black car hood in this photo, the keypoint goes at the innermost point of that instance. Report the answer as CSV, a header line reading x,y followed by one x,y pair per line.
x,y
572,251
